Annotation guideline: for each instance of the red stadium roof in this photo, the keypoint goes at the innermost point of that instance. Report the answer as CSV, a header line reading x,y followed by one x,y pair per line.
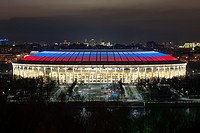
x,y
103,57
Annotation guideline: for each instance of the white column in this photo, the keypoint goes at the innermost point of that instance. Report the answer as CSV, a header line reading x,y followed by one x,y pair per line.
x,y
33,72
65,76
145,72
174,71
138,74
51,73
164,71
23,71
44,71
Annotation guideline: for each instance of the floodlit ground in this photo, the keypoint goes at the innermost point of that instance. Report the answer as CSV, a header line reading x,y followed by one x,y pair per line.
x,y
98,92
95,92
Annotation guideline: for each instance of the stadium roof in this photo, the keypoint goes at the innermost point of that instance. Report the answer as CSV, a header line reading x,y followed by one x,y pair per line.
x,y
99,57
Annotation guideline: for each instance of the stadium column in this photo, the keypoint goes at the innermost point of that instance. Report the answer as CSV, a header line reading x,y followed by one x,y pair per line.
x,y
174,71
51,73
115,75
158,72
19,69
164,71
170,71
44,71
152,73
107,75
65,76
131,75
145,73
58,74
88,76
37,71
122,76
82,78
32,75
23,71
73,75
100,75
138,75
96,75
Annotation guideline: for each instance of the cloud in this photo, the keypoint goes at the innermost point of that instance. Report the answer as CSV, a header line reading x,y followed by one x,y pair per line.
x,y
139,21
45,8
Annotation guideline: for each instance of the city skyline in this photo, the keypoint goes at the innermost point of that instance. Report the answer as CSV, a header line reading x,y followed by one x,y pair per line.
x,y
99,66
117,21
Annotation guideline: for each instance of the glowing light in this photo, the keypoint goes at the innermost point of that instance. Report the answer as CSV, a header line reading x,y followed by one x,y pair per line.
x,y
144,56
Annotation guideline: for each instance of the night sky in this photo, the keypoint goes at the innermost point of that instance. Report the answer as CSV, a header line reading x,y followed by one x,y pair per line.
x,y
109,20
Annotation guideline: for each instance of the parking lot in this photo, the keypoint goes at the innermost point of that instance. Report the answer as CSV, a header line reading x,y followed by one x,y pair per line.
x,y
95,92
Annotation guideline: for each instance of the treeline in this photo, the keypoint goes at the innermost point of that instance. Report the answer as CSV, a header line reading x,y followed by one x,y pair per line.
x,y
188,85
67,92
20,89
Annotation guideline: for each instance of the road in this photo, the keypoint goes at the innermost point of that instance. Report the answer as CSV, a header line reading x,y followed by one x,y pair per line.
x,y
95,93
135,92
57,94
125,91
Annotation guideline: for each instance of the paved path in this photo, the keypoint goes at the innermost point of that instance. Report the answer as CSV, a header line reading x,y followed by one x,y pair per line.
x,y
94,93
135,92
57,94
125,91
180,95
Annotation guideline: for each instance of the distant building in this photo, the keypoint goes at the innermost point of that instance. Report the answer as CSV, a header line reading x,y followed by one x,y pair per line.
x,y
66,43
34,52
3,41
87,44
103,43
152,44
108,44
6,57
190,45
92,42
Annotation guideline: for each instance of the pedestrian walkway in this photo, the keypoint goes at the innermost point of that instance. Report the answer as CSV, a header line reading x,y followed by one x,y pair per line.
x,y
57,94
135,92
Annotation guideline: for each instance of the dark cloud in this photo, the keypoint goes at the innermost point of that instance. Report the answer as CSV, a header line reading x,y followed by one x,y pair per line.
x,y
151,21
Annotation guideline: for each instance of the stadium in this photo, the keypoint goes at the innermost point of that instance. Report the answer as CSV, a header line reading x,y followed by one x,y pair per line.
x,y
99,66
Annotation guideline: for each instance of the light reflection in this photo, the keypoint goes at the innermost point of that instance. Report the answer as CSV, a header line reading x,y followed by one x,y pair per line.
x,y
139,112
84,113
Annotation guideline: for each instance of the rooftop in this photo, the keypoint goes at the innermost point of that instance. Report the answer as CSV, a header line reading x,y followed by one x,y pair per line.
x,y
99,57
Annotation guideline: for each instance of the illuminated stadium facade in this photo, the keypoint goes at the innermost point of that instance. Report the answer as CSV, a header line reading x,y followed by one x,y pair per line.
x,y
99,66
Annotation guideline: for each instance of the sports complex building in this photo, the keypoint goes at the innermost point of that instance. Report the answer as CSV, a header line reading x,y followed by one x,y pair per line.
x,y
99,66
